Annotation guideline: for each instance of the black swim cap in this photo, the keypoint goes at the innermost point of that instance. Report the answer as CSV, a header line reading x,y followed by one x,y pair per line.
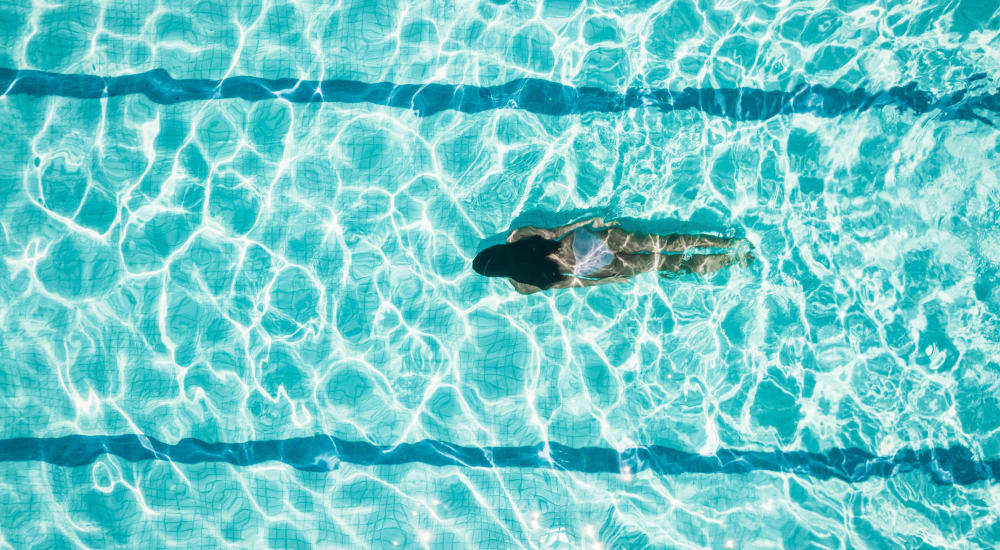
x,y
488,263
525,261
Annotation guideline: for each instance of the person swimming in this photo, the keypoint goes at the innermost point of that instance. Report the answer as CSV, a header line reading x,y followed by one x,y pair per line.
x,y
593,252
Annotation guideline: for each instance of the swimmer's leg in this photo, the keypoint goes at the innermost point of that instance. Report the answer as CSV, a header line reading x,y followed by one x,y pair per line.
x,y
625,266
701,263
680,243
623,242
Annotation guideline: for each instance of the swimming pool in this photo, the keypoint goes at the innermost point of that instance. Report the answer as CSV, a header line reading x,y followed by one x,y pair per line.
x,y
238,310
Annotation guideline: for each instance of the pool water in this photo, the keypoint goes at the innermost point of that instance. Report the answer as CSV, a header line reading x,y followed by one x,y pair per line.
x,y
262,290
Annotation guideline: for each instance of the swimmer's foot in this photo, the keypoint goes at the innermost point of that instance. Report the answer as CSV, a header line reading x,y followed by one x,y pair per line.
x,y
747,258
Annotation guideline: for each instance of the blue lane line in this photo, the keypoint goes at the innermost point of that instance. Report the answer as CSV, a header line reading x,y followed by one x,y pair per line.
x,y
534,95
322,453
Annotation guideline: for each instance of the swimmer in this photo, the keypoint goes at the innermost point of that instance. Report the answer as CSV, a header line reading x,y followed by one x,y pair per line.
x,y
592,252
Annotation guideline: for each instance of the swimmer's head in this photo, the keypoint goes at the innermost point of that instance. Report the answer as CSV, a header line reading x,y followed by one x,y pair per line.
x,y
490,262
525,261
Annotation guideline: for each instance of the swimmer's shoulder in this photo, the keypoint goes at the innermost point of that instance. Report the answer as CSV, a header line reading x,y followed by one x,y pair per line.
x,y
529,231
524,288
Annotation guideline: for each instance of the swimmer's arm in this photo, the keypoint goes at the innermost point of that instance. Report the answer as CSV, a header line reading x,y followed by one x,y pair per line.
x,y
604,281
557,233
568,282
529,231
524,288
595,222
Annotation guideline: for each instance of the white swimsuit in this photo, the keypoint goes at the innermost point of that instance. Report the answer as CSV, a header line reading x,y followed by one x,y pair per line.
x,y
592,254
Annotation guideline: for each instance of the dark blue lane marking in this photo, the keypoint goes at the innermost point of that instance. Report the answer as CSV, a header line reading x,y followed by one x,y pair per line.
x,y
322,453
530,94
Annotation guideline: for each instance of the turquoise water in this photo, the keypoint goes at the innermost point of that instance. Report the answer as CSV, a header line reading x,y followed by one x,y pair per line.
x,y
229,271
